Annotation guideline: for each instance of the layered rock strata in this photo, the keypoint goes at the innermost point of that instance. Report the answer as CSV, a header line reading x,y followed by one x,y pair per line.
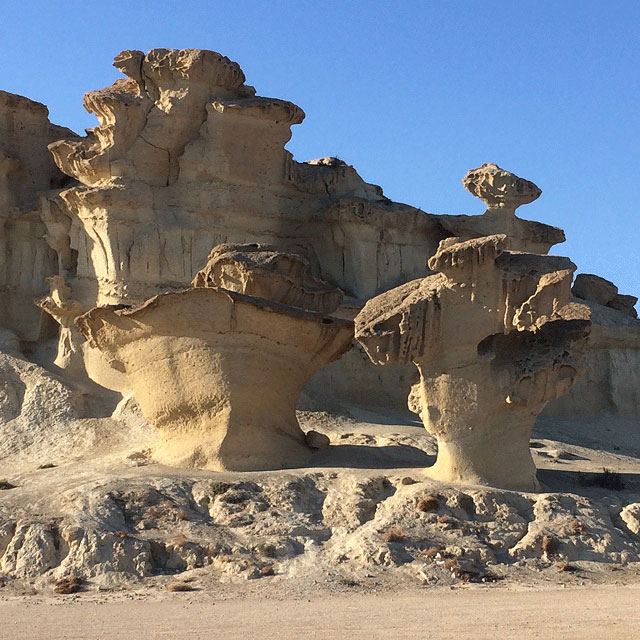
x,y
491,348
218,371
26,172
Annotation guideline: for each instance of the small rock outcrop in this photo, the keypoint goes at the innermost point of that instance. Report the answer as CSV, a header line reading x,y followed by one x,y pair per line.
x,y
596,289
487,336
219,371
503,192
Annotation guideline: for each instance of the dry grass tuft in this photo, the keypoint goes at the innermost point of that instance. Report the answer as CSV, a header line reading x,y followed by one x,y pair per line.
x,y
428,503
179,586
267,550
394,535
72,584
179,541
267,570
549,545
431,552
564,566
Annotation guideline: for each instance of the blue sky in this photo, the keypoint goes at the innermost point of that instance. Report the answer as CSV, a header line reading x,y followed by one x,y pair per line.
x,y
413,94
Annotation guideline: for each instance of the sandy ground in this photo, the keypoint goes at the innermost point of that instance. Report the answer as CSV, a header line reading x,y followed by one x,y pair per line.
x,y
607,612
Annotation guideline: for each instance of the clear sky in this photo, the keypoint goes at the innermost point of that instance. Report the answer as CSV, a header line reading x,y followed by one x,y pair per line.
x,y
413,94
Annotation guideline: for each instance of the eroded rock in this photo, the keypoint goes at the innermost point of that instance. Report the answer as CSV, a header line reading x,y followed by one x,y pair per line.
x,y
487,337
219,372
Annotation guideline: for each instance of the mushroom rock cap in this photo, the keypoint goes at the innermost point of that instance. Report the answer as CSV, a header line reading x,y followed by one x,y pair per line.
x,y
498,188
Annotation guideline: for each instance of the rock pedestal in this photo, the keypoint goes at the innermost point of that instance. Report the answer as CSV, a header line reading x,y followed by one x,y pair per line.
x,y
491,347
219,372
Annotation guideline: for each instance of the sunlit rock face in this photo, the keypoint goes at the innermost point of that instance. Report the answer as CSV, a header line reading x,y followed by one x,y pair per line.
x,y
186,156
26,171
218,371
491,347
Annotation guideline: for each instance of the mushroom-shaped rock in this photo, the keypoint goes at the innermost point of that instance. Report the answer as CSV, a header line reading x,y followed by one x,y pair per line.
x,y
219,372
492,348
503,192
500,189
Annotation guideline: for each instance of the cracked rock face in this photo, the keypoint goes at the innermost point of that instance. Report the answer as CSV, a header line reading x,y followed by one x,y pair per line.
x,y
487,336
219,372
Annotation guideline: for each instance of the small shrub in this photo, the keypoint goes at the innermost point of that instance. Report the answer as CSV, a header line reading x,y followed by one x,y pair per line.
x,y
267,570
181,515
72,584
431,552
348,582
608,479
267,550
179,541
47,465
394,535
549,545
563,565
218,488
5,484
428,503
179,586
575,527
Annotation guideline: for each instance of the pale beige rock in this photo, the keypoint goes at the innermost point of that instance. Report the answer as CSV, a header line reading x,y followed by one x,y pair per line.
x,y
186,156
219,372
631,517
609,385
596,289
503,192
486,336
26,171
262,271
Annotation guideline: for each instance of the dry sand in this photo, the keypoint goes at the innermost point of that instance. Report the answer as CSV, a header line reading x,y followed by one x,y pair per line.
x,y
607,612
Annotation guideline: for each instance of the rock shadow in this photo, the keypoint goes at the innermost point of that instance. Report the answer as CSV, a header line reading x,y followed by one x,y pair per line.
x,y
592,483
369,457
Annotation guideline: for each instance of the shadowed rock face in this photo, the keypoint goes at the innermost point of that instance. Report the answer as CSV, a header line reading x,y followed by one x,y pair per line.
x,y
491,347
219,372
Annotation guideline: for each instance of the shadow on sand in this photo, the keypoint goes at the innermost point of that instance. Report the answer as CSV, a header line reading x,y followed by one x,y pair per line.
x,y
367,457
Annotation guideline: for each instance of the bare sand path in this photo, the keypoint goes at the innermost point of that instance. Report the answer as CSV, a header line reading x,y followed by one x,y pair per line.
x,y
607,612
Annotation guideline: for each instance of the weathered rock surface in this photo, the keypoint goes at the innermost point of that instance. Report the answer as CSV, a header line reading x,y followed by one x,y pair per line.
x,y
609,385
26,172
186,156
491,348
129,524
503,192
596,289
219,372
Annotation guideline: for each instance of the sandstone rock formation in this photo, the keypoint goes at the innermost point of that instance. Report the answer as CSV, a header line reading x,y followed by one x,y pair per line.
x,y
491,349
596,289
186,156
503,192
26,172
609,387
218,371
